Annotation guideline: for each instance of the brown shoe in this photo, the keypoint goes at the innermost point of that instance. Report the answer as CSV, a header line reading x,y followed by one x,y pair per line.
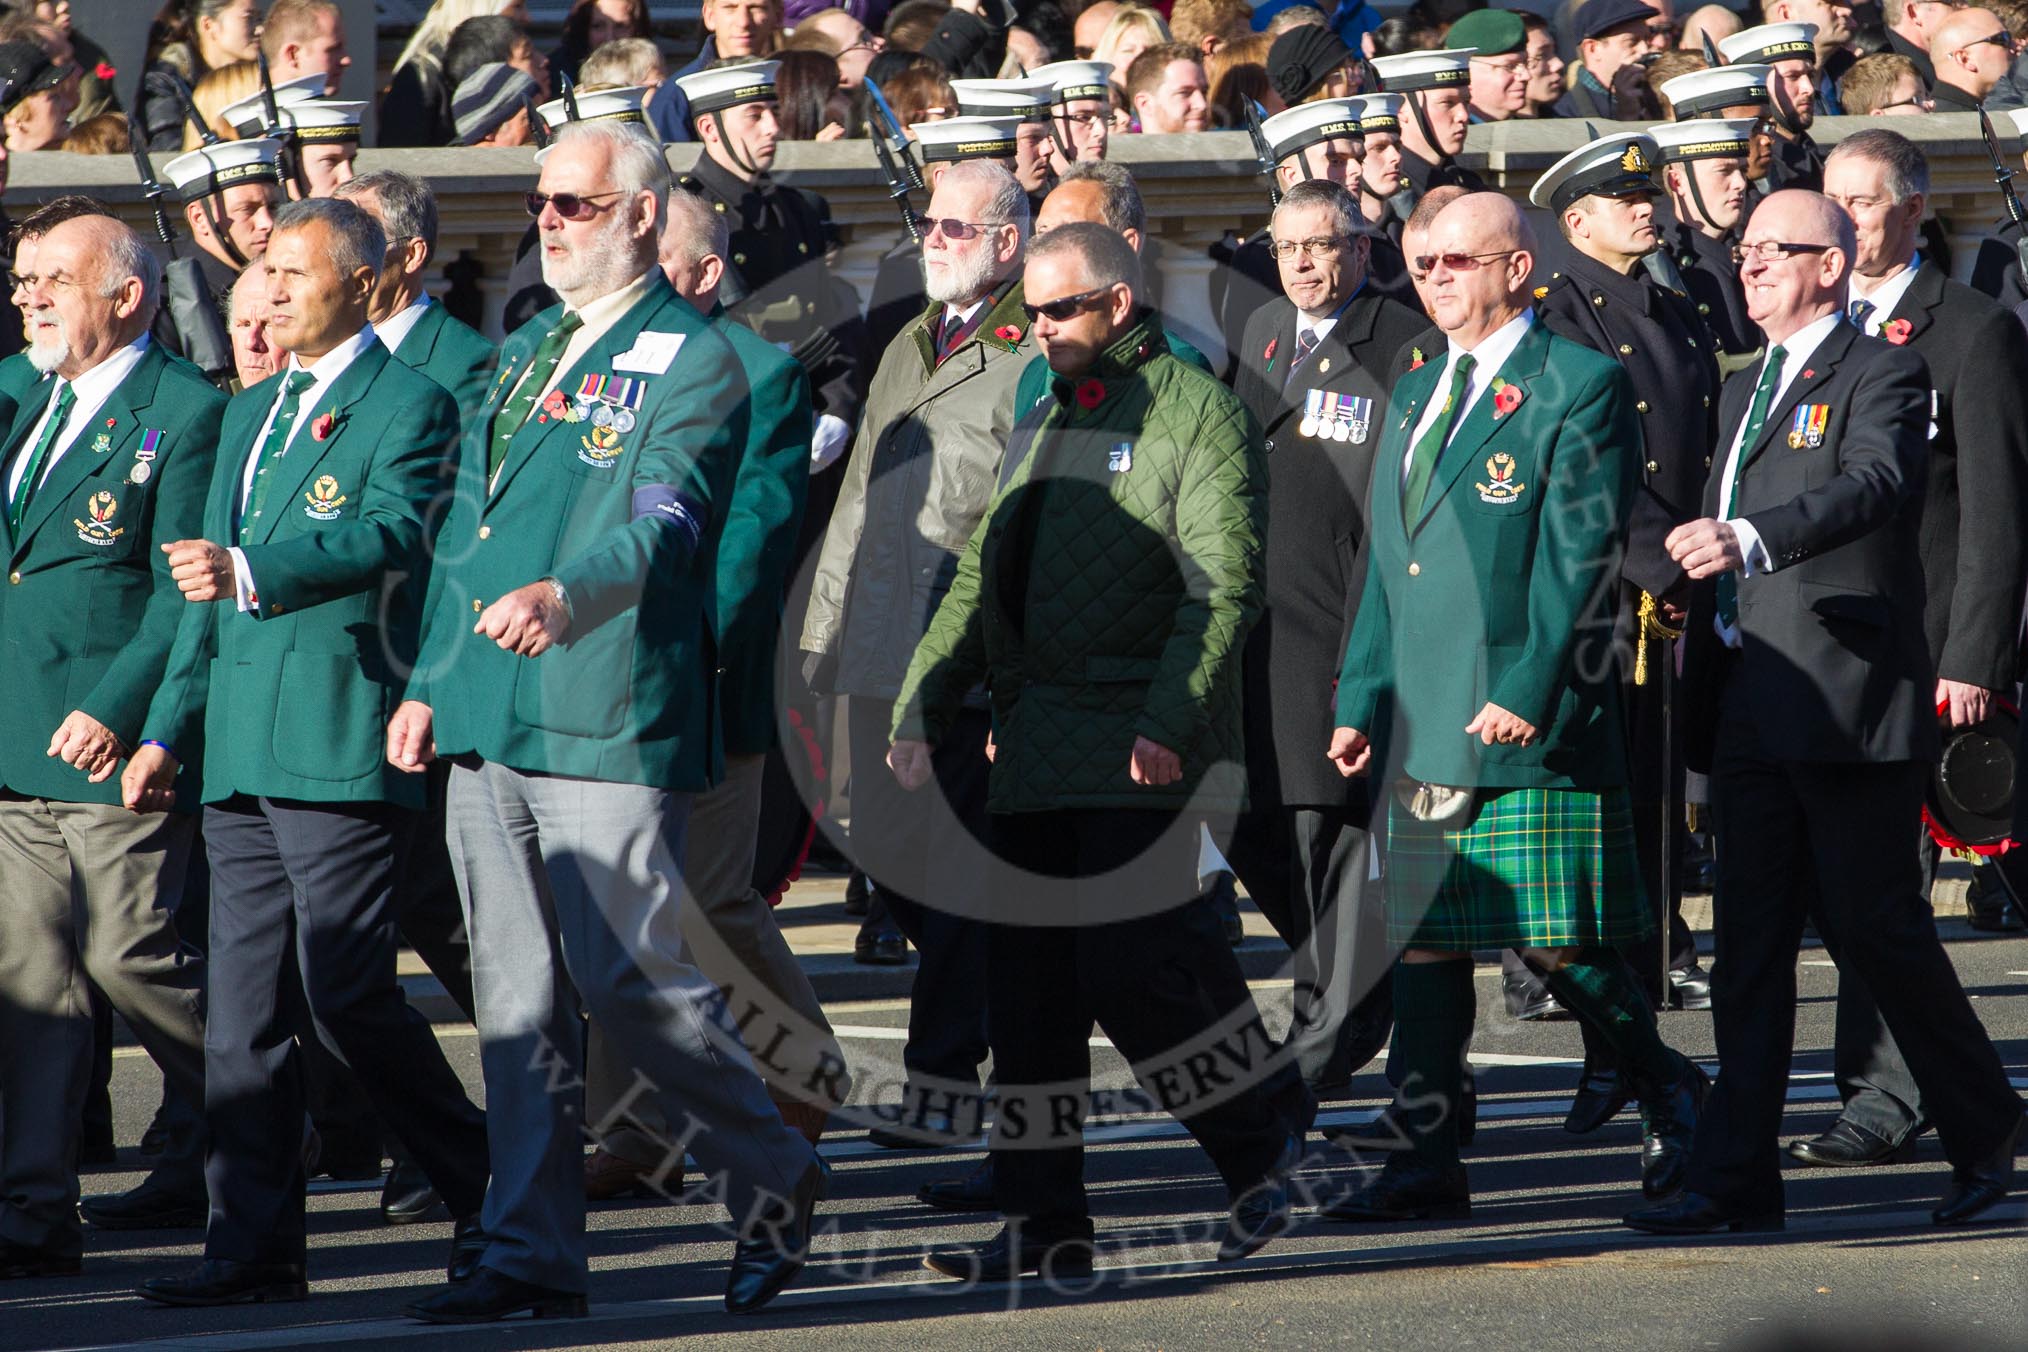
x,y
607,1176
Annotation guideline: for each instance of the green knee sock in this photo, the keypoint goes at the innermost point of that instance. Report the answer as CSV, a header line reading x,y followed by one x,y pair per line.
x,y
1595,985
1434,1009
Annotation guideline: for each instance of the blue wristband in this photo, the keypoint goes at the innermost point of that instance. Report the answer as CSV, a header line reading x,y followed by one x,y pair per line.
x,y
150,741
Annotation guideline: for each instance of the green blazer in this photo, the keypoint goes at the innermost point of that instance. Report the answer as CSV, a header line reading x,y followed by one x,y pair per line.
x,y
90,612
758,548
451,353
629,525
291,699
18,377
1503,589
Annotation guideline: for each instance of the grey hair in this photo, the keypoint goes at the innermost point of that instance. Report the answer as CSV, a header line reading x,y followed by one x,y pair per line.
x,y
126,256
1119,195
1321,192
696,228
408,208
1107,257
1007,202
620,62
637,162
357,241
1907,167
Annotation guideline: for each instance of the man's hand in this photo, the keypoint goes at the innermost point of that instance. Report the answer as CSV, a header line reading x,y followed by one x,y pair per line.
x,y
1705,548
411,740
89,745
149,784
1495,724
1353,752
1969,704
203,570
910,761
1154,764
527,621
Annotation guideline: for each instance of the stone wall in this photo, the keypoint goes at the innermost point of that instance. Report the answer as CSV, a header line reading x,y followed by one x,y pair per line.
x,y
1196,187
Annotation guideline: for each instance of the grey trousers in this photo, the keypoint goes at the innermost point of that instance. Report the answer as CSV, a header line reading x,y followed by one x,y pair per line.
x,y
574,897
85,890
731,936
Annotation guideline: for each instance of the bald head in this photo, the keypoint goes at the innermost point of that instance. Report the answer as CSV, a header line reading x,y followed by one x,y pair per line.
x,y
1482,253
1964,54
95,291
254,358
1790,292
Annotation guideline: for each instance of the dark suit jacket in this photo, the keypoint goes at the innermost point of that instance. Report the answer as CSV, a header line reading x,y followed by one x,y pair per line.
x,y
1316,537
1919,58
1976,503
1832,663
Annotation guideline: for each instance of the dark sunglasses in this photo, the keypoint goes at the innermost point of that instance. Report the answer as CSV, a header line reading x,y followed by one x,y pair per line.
x,y
572,206
2002,39
953,228
1458,262
1057,311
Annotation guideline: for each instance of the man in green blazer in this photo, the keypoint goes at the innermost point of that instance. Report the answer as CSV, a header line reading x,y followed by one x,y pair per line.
x,y
1479,678
284,672
568,673
105,459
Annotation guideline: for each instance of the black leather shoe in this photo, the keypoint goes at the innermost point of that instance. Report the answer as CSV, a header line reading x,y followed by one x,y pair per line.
x,y
1988,907
1975,1190
407,1196
220,1281
1406,1191
1601,1093
1002,1260
973,1192
1689,987
19,1260
1695,1214
468,1246
1529,1000
488,1296
1847,1145
1668,1125
885,949
146,1207
1261,1212
769,1259
858,895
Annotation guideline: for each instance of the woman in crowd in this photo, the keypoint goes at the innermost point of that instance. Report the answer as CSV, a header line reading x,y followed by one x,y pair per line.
x,y
416,108
1237,72
809,103
38,96
591,24
1129,33
215,93
188,40
95,73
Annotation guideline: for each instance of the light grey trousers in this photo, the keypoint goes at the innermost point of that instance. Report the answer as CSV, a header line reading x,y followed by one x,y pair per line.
x,y
573,896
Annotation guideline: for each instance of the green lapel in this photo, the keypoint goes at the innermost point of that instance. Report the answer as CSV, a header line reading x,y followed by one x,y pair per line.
x,y
421,342
597,360
1520,369
1818,369
1411,395
115,420
305,452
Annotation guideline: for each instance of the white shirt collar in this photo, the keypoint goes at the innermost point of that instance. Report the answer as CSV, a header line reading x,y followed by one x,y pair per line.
x,y
603,313
333,364
94,387
1494,349
395,329
1884,297
964,316
1799,346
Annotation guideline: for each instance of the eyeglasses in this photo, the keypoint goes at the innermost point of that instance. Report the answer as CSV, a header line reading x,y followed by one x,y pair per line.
x,y
1057,311
1323,248
1506,66
1925,103
1458,262
28,281
868,42
951,228
572,206
1774,251
1089,117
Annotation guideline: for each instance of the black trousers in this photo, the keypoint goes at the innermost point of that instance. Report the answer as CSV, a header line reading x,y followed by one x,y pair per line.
x,y
1142,981
1827,842
1874,1081
303,943
906,855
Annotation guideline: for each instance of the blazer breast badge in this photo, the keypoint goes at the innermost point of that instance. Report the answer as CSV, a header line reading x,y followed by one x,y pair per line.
x,y
1503,487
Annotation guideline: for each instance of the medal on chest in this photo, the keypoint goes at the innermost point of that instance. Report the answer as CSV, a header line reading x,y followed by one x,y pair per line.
x,y
1336,417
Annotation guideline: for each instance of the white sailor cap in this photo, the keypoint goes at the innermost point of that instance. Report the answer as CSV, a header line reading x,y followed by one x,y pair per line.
x,y
1378,113
966,138
1703,138
1703,92
249,116
1409,71
1030,98
322,121
721,87
1771,42
1076,79
214,168
599,105
1309,124
1612,166
2019,118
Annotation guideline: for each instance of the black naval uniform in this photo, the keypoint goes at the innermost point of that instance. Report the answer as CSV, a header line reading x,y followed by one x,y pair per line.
x,y
1796,164
1301,846
1421,176
1670,355
218,280
1996,268
1713,280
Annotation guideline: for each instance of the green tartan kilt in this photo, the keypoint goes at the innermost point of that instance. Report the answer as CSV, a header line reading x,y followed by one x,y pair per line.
x,y
1542,868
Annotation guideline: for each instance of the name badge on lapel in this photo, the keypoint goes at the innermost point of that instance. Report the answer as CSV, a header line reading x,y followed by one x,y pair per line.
x,y
1807,427
1336,417
1121,458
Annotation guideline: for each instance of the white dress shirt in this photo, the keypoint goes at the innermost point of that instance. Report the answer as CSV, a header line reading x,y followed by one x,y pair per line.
x,y
89,393
1797,349
325,372
394,329
1884,297
1488,357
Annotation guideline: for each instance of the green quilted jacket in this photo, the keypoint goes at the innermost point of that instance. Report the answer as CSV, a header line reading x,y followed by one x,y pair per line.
x,y
1108,592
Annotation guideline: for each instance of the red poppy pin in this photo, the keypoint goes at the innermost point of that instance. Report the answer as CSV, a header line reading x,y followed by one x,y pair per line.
x,y
321,429
553,405
1416,359
1268,354
1007,333
106,71
1090,394
1896,331
1506,398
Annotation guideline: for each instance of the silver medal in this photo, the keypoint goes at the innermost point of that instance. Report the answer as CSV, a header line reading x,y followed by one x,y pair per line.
x,y
602,416
139,473
623,420
1308,427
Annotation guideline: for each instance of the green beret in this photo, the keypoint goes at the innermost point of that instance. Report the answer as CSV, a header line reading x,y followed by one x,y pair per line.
x,y
1489,32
